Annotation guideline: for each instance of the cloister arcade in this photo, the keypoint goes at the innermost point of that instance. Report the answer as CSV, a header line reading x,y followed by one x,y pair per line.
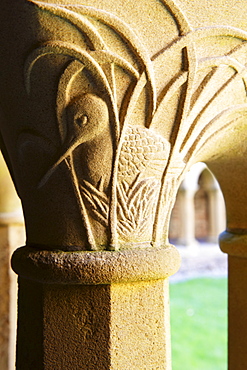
x,y
199,211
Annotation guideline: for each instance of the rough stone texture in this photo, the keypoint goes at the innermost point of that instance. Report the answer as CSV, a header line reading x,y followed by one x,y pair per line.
x,y
237,323
144,332
102,113
63,327
103,327
115,109
88,310
96,268
234,244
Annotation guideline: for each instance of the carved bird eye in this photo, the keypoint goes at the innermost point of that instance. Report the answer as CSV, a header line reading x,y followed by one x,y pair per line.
x,y
81,120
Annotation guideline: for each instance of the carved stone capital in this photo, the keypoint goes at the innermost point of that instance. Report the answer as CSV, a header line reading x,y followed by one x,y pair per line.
x,y
100,120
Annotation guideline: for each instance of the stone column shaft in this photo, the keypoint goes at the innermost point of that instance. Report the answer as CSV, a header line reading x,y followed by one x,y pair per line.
x,y
235,245
98,314
217,216
187,237
102,113
237,305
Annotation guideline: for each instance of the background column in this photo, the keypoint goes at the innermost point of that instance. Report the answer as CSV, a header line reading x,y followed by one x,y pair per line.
x,y
12,234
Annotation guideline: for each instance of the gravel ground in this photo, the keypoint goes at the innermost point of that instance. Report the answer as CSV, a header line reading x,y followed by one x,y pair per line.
x,y
199,261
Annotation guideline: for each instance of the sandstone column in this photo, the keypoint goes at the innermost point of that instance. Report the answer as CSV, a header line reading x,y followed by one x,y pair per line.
x,y
217,217
108,310
187,236
11,234
186,194
235,245
102,114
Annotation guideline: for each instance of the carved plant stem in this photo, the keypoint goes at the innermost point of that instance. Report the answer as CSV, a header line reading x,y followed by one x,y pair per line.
x,y
113,206
202,110
83,212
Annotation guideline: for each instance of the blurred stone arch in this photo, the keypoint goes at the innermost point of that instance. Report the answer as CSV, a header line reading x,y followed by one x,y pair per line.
x,y
199,211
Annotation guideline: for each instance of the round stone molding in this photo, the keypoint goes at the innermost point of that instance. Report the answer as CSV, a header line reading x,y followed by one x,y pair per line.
x,y
234,244
93,268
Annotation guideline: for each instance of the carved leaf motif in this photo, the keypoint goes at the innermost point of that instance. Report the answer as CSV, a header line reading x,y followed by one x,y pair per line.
x,y
207,108
135,209
149,160
98,201
136,206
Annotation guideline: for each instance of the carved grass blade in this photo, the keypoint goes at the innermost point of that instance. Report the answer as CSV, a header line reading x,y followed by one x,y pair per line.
x,y
125,228
222,122
122,201
63,95
167,93
210,82
103,56
93,190
198,34
161,227
97,209
167,52
126,33
98,205
177,14
81,23
178,131
81,205
134,215
71,51
198,125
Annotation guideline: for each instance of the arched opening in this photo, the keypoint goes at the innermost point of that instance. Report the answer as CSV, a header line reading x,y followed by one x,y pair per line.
x,y
198,214
199,289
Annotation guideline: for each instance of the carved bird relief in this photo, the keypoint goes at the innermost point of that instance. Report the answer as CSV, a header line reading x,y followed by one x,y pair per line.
x,y
88,136
131,133
143,156
143,152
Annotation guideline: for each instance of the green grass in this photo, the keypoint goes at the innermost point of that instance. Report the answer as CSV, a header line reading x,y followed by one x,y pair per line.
x,y
199,324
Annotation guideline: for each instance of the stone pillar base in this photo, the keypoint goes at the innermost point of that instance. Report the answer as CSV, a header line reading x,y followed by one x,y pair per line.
x,y
94,310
